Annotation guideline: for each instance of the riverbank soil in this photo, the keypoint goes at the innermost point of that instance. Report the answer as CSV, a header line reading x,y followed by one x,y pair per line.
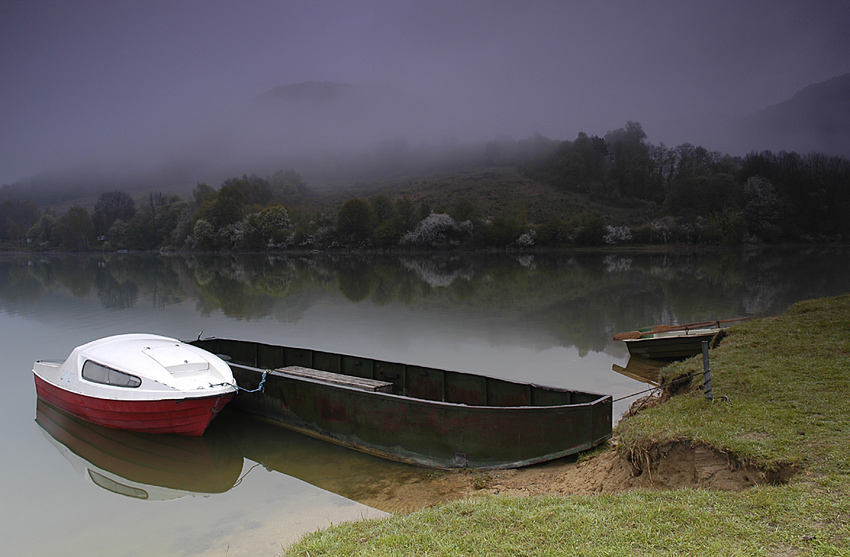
x,y
609,470
669,466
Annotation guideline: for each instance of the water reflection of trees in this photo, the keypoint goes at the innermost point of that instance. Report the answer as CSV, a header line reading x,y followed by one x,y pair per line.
x,y
119,281
113,293
571,298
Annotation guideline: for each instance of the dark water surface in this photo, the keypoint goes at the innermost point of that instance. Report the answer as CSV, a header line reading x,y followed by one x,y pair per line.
x,y
70,488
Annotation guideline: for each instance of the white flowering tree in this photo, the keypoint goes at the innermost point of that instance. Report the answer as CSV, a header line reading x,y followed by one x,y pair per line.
x,y
231,236
437,230
274,225
526,239
203,235
617,234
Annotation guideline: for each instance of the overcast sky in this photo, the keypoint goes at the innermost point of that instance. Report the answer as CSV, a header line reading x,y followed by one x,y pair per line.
x,y
80,80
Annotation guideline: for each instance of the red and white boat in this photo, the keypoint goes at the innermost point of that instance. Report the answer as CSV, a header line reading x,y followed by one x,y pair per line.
x,y
138,382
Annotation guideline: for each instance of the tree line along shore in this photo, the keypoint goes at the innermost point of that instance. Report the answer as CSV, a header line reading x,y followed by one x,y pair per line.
x,y
618,189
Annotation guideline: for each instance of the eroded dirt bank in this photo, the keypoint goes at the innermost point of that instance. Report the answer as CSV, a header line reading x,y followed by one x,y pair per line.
x,y
670,466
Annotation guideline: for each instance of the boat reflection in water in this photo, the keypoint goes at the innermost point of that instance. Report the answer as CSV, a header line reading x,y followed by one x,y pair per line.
x,y
642,369
141,465
382,484
160,467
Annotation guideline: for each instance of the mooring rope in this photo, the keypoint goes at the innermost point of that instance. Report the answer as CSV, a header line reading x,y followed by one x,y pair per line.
x,y
259,387
686,377
636,394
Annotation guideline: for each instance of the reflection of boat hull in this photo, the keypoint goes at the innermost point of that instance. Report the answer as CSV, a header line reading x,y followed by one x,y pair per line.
x,y
189,416
427,416
141,465
675,345
641,369
376,482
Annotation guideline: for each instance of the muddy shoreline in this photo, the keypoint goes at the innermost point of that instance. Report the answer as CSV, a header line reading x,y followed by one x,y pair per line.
x,y
610,469
672,466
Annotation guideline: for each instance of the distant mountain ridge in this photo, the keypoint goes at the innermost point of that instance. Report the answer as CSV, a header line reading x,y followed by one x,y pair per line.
x,y
815,119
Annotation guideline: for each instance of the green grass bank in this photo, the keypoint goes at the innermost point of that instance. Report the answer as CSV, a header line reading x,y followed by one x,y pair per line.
x,y
781,403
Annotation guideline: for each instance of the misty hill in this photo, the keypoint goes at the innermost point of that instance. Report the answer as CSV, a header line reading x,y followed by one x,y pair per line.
x,y
328,131
815,119
339,133
322,116
500,192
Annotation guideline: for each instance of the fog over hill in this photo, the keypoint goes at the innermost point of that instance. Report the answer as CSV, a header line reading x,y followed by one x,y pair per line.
x,y
163,95
327,131
343,132
321,120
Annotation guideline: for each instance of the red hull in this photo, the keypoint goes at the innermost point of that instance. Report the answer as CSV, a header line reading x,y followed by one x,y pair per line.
x,y
189,416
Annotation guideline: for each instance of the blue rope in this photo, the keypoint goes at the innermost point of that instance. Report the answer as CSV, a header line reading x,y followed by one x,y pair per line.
x,y
259,387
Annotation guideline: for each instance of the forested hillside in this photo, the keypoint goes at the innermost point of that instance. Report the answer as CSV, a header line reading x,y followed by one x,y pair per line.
x,y
616,189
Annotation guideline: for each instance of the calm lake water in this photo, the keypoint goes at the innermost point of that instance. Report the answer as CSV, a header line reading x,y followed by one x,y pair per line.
x,y
248,488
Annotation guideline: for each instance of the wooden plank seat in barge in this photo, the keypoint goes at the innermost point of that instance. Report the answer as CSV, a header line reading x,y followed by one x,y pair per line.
x,y
411,413
361,383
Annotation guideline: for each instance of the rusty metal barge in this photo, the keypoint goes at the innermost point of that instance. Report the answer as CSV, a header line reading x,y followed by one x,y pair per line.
x,y
410,413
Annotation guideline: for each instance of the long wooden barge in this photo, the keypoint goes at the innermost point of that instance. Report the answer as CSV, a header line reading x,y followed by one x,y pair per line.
x,y
410,413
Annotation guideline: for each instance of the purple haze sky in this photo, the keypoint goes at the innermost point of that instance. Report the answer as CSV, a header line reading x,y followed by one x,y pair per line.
x,y
83,82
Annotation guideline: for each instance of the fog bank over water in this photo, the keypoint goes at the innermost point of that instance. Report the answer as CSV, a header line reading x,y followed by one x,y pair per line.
x,y
178,93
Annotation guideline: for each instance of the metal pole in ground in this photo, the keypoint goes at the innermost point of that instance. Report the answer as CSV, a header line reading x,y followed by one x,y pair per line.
x,y
706,371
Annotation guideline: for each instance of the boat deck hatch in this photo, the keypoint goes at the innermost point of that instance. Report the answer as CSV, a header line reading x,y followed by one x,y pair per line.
x,y
177,360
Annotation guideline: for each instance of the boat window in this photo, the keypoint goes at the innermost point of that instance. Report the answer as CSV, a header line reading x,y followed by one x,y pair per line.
x,y
115,487
97,373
